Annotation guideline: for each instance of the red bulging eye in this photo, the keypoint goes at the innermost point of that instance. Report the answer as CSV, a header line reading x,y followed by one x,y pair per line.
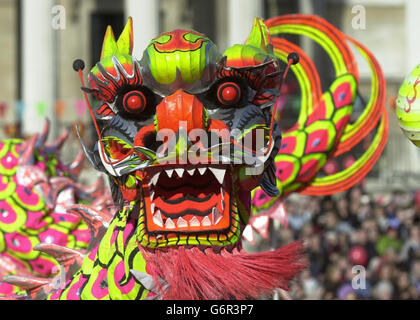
x,y
229,93
134,102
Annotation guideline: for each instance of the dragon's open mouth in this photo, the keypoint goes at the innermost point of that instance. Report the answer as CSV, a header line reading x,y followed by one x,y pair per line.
x,y
188,199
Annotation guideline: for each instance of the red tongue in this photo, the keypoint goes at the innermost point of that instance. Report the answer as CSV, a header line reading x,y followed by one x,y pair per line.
x,y
182,193
187,205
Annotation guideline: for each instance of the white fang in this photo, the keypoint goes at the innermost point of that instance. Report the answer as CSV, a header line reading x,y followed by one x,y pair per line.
x,y
217,216
155,178
169,172
206,222
182,223
179,172
157,219
194,222
169,224
219,174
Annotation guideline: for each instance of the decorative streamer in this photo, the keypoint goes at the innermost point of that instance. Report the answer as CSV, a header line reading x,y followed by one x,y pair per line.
x,y
20,108
80,107
3,109
60,108
41,108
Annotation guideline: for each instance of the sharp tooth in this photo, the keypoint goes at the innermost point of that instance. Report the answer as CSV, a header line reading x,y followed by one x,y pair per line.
x,y
217,216
152,207
155,178
157,219
202,170
219,174
191,172
194,222
179,172
152,195
169,224
223,198
182,223
206,222
169,172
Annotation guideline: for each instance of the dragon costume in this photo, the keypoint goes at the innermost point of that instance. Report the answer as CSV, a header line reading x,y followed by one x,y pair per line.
x,y
190,140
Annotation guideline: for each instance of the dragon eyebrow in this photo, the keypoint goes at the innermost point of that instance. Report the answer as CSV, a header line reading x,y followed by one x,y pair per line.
x,y
78,66
107,89
257,76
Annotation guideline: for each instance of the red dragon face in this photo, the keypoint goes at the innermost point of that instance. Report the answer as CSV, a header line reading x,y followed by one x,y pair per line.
x,y
186,133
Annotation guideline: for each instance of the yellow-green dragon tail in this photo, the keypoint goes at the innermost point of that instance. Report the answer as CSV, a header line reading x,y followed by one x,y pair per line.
x,y
323,130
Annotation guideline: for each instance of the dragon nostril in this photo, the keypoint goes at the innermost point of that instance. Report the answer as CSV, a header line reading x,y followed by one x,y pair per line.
x,y
150,141
147,138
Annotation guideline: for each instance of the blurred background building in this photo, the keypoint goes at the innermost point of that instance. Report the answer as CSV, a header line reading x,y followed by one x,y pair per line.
x,y
40,39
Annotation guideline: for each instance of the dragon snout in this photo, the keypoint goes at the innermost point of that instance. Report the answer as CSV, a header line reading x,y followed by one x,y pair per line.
x,y
181,109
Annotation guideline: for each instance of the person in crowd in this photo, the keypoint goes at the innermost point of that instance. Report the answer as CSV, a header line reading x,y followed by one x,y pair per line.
x,y
371,238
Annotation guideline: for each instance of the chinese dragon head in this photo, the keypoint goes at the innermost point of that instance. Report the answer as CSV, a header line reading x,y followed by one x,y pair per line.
x,y
174,128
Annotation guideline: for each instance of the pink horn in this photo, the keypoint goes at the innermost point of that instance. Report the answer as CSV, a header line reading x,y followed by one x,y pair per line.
x,y
44,135
77,165
96,188
28,147
58,144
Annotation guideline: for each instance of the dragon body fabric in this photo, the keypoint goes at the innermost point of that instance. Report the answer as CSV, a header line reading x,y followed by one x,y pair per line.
x,y
41,205
190,140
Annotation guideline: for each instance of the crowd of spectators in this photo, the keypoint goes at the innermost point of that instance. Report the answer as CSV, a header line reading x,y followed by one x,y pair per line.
x,y
359,245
